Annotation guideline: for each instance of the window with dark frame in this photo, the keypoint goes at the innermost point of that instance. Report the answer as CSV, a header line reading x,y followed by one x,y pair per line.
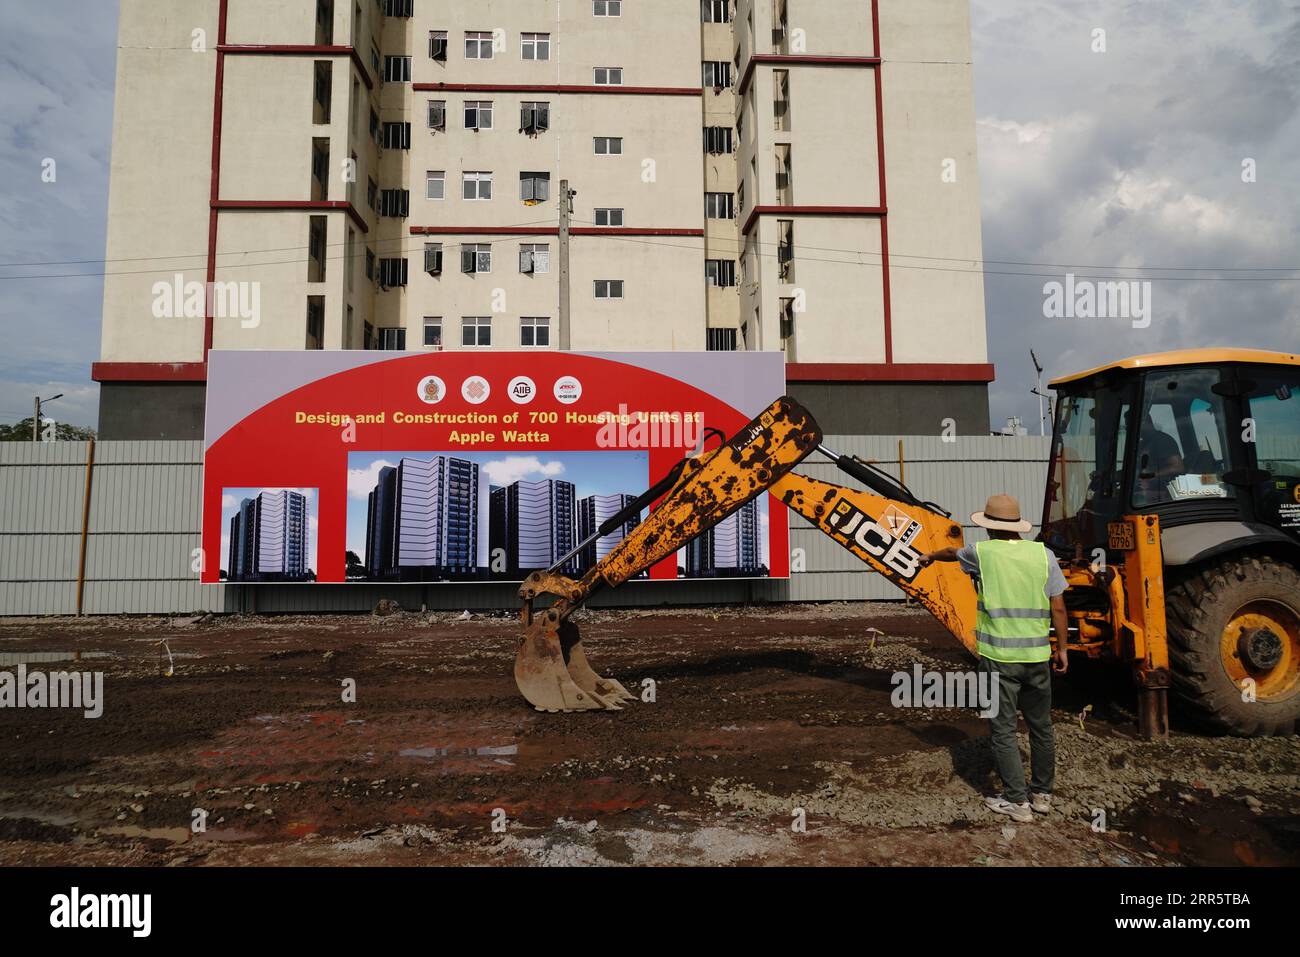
x,y
433,332
478,45
397,69
476,258
609,289
395,202
534,332
720,272
478,114
433,259
475,332
315,322
719,206
721,340
609,216
438,46
316,246
717,140
397,136
716,11
534,117
392,272
393,340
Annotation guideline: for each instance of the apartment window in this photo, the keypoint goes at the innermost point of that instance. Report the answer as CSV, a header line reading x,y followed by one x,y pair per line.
x,y
717,74
438,45
475,332
717,140
398,8
476,186
785,249
718,206
784,167
397,136
395,202
438,115
354,112
609,289
433,259
392,339
787,321
397,69
720,272
349,259
716,11
476,257
372,194
720,340
534,117
609,76
315,322
478,45
534,258
609,217
392,272
740,199
370,264
316,245
367,336
534,332
609,145
324,22
376,129
433,332
376,61
781,99
536,46
607,8
320,168
534,187
478,114
348,330
435,184
323,91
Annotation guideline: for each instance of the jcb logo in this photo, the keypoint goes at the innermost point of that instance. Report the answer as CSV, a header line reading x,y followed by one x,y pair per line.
x,y
853,527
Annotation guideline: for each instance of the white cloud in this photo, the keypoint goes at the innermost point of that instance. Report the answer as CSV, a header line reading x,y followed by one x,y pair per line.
x,y
515,468
361,482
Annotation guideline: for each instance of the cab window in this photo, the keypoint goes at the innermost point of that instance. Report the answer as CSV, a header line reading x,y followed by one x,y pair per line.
x,y
1182,439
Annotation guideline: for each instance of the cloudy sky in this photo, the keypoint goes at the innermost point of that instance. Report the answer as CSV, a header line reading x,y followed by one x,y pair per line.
x,y
1130,158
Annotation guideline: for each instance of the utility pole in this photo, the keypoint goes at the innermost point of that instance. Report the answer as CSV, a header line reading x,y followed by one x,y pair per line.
x,y
566,214
1038,391
36,421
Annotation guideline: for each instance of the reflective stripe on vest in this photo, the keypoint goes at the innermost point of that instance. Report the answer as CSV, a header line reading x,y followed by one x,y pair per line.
x,y
1014,614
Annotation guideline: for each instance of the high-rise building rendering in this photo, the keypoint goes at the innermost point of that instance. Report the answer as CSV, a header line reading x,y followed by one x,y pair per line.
x,y
730,548
422,520
533,524
593,511
787,175
268,538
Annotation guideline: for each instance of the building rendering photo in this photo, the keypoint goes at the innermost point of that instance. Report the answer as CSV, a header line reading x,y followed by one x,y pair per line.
x,y
268,538
422,520
730,549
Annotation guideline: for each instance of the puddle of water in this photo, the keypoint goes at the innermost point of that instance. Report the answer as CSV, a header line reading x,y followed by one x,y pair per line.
x,y
11,658
483,752
45,817
174,835
224,834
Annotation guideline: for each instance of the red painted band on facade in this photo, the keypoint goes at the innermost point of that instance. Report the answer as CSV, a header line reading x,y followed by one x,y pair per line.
x,y
215,183
889,372
800,59
149,371
298,49
282,205
810,211
557,88
884,197
551,231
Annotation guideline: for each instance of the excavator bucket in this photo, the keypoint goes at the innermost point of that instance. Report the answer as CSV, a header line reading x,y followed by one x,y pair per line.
x,y
551,668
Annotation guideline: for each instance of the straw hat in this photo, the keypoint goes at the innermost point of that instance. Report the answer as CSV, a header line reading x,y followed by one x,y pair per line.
x,y
1002,512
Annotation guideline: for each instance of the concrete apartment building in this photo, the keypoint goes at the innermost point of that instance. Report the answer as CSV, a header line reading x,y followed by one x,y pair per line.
x,y
792,175
422,521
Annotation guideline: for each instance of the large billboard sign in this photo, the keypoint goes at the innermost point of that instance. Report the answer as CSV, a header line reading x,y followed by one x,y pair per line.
x,y
466,466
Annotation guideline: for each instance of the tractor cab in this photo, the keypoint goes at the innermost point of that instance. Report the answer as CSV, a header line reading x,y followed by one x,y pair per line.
x,y
1208,440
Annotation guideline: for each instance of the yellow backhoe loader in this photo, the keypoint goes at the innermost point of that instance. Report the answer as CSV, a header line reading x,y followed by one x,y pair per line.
x,y
1173,504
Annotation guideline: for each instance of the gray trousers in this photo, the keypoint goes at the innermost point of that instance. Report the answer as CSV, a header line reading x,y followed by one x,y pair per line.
x,y
1028,689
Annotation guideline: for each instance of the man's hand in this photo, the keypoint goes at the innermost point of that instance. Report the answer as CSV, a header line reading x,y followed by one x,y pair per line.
x,y
925,560
942,555
1061,661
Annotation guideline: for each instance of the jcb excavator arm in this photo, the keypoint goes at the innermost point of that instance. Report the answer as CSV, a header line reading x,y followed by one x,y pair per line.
x,y
550,666
888,530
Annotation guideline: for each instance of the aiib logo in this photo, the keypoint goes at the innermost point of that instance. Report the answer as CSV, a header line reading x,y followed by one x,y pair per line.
x,y
522,390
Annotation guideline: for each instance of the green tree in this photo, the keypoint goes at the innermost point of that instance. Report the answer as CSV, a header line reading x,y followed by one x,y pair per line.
x,y
22,432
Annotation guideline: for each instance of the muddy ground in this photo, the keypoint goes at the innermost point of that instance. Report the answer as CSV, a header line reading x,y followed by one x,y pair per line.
x,y
758,711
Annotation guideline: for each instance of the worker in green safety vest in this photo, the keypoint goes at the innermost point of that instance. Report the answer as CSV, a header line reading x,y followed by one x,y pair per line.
x,y
1020,589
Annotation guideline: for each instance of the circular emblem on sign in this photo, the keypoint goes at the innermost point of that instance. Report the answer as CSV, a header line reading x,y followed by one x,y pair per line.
x,y
568,389
431,390
1296,492
522,390
475,389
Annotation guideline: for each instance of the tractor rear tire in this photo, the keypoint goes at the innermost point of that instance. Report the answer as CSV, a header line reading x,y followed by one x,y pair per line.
x,y
1206,668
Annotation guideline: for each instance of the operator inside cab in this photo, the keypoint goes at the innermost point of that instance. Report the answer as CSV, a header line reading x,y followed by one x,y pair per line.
x,y
1160,458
